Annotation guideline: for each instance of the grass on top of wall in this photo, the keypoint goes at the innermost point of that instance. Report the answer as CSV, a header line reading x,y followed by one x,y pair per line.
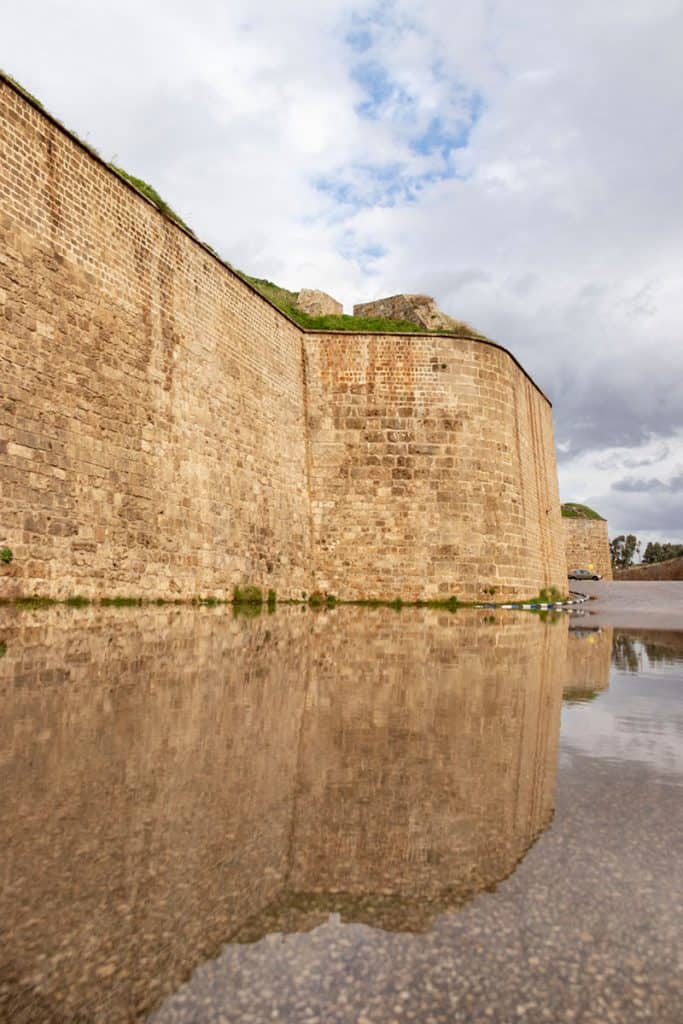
x,y
23,90
151,193
142,186
573,510
286,301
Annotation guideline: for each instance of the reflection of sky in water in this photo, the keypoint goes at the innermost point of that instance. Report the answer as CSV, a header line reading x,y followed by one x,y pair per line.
x,y
638,719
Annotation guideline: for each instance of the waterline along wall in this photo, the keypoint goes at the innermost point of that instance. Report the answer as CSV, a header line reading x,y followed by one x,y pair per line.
x,y
166,432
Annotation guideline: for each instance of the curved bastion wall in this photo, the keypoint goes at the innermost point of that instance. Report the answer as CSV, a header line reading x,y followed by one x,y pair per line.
x,y
432,470
166,432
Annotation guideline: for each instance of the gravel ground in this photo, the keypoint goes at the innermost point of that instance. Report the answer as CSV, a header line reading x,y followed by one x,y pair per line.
x,y
586,931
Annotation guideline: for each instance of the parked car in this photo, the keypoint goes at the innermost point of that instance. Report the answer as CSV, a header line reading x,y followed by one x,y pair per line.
x,y
584,574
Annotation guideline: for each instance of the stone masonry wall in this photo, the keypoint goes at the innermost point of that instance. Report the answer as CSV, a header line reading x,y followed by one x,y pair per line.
x,y
587,545
166,432
432,470
152,429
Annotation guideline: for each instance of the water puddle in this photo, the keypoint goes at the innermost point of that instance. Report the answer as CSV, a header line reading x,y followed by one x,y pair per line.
x,y
352,815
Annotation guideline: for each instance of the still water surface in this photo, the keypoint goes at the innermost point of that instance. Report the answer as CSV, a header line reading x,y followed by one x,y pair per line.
x,y
356,816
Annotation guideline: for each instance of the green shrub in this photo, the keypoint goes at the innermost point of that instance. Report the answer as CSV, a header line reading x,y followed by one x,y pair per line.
x,y
6,555
246,610
247,594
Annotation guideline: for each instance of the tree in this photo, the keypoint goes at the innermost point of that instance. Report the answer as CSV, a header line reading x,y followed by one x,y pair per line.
x,y
623,549
656,552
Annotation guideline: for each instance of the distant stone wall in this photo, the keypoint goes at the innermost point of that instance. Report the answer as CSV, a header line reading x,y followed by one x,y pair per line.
x,y
432,470
587,545
672,569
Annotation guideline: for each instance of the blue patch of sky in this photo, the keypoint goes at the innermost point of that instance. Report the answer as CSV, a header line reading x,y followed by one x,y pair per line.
x,y
379,89
363,184
440,138
370,185
364,27
360,40
366,184
364,254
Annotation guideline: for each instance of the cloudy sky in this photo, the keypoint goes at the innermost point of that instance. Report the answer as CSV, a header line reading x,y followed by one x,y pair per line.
x,y
520,160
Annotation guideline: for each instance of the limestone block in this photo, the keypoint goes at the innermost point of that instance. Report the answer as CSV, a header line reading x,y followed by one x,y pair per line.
x,y
317,303
416,309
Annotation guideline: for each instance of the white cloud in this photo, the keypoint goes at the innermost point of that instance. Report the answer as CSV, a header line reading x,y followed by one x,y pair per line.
x,y
636,488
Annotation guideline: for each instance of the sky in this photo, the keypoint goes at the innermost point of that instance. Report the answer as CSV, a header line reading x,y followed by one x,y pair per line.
x,y
519,160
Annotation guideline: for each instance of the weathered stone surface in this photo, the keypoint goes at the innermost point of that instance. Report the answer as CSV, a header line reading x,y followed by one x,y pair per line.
x,y
165,432
587,545
432,470
416,309
672,569
317,303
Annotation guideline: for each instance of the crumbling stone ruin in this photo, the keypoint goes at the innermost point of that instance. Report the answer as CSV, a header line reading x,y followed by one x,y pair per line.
x,y
416,309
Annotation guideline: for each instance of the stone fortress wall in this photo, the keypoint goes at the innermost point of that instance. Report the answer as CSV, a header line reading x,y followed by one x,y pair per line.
x,y
152,423
432,466
587,545
166,432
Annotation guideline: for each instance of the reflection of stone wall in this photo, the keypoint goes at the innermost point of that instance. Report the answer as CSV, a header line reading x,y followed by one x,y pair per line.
x,y
429,754
168,774
589,656
147,775
587,545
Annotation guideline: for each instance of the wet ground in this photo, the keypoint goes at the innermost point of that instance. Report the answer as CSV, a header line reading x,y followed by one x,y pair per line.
x,y
352,815
658,605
